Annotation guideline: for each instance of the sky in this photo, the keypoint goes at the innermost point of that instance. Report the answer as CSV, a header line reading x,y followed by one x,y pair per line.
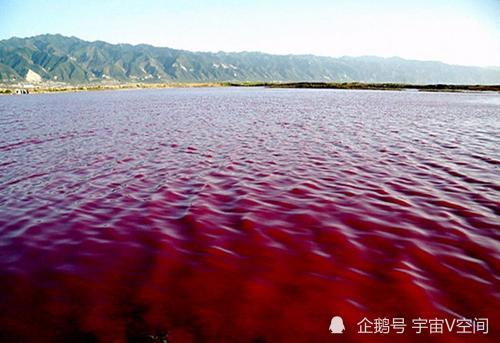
x,y
463,32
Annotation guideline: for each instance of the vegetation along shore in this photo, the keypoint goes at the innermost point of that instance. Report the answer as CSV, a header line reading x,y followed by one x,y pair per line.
x,y
16,89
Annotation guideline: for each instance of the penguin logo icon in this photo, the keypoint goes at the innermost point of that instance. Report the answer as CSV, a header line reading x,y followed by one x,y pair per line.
x,y
337,325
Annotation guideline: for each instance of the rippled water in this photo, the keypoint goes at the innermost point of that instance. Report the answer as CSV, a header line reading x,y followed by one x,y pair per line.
x,y
214,215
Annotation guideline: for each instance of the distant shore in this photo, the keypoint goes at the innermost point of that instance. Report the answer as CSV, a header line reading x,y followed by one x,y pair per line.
x,y
41,89
37,89
390,86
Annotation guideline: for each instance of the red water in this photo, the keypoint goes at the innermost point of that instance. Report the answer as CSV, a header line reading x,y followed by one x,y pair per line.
x,y
246,215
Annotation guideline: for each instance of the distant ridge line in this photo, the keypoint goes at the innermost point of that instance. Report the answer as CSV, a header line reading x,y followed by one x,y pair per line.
x,y
69,60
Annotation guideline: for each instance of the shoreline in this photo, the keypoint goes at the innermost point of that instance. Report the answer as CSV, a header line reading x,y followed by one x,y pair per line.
x,y
44,89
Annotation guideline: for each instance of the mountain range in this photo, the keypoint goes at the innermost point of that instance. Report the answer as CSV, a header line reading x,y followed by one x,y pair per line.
x,y
64,59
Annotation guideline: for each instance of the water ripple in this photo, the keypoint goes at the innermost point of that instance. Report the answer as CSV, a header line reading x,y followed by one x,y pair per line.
x,y
125,214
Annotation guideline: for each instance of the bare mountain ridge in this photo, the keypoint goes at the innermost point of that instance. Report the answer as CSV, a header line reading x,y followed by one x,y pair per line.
x,y
72,60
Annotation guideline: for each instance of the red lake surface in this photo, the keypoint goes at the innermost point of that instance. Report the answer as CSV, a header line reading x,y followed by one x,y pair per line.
x,y
248,215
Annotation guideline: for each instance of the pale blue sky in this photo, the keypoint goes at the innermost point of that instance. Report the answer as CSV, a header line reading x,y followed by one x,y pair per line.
x,y
454,31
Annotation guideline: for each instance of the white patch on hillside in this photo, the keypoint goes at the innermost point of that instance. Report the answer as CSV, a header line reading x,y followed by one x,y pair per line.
x,y
179,65
31,76
224,66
